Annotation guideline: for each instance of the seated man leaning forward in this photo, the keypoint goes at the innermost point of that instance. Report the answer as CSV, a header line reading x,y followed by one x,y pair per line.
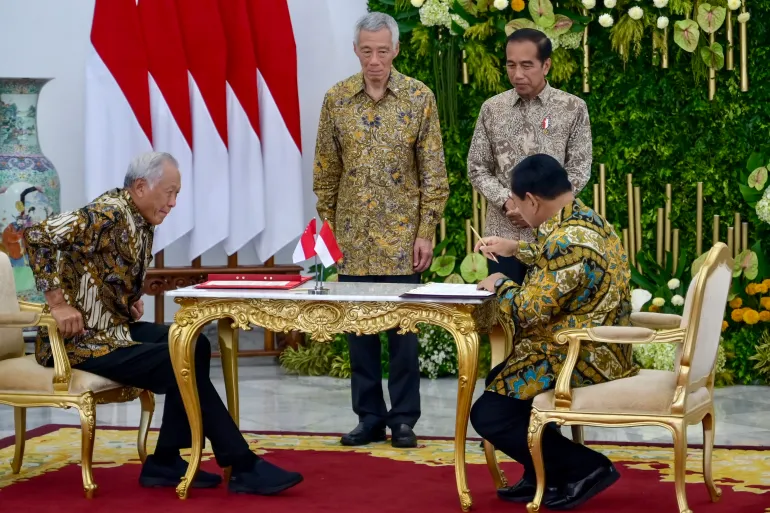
x,y
579,279
94,288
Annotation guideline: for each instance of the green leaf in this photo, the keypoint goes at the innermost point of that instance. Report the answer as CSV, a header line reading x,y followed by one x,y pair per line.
x,y
443,265
474,268
640,280
404,27
764,260
698,263
758,178
542,13
454,278
713,56
750,194
518,23
440,247
711,17
459,10
747,263
755,160
562,26
686,35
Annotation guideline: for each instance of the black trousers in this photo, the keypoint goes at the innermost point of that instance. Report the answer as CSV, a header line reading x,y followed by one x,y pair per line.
x,y
509,266
503,421
366,369
148,366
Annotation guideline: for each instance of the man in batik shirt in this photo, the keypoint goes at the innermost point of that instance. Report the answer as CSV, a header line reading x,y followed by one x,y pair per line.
x,y
531,118
380,180
91,264
579,278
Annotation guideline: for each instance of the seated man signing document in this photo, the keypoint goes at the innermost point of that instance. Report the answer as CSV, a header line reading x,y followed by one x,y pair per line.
x,y
579,278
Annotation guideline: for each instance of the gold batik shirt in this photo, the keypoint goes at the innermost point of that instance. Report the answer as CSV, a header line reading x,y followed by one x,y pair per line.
x,y
104,250
379,173
508,130
578,278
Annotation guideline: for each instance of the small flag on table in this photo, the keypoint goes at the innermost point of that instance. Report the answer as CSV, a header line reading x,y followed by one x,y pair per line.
x,y
326,246
306,245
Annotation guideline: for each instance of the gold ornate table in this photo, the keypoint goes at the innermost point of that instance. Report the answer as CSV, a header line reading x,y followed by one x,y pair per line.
x,y
362,308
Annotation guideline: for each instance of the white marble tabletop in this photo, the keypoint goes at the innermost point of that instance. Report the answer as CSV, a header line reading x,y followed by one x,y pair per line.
x,y
339,292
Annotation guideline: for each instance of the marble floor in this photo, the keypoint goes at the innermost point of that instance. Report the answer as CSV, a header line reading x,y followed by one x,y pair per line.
x,y
272,400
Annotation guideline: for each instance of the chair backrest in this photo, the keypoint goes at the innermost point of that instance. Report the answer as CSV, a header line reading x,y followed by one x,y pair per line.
x,y
704,310
11,339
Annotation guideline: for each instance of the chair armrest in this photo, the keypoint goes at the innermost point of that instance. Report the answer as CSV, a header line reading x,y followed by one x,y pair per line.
x,y
62,371
27,306
656,321
19,320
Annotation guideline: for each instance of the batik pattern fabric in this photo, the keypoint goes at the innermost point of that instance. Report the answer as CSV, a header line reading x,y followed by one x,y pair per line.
x,y
379,173
508,130
98,255
578,278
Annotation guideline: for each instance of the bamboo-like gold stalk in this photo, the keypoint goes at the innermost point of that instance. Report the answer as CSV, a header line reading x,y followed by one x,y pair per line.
x,y
483,214
603,190
434,240
625,243
631,222
737,234
675,252
468,238
664,50
712,72
442,233
586,58
744,236
465,70
659,238
476,215
638,218
730,241
699,219
729,57
744,52
667,221
597,207
715,231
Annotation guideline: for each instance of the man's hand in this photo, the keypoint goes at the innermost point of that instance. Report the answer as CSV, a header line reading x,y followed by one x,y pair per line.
x,y
423,255
497,246
137,310
515,217
488,283
68,319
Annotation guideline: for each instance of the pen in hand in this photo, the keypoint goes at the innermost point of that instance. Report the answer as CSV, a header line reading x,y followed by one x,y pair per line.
x,y
482,243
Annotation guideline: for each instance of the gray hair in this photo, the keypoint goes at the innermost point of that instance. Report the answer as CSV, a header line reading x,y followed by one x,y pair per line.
x,y
148,166
375,21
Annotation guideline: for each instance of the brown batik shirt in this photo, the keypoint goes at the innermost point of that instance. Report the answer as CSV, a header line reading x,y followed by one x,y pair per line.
x,y
379,173
509,129
104,250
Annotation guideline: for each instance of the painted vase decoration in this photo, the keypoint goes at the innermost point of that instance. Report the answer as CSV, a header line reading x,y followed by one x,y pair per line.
x,y
29,184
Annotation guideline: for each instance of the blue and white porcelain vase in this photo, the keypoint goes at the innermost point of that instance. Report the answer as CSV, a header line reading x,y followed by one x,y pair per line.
x,y
29,184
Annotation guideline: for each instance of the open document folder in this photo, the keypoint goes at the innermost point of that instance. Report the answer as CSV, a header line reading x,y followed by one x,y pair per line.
x,y
448,291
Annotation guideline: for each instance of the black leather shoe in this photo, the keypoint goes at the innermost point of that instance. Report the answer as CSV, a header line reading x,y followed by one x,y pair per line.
x,y
524,491
363,435
263,478
576,493
403,437
156,475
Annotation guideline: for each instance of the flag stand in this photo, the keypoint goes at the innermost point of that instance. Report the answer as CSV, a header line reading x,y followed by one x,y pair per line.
x,y
319,280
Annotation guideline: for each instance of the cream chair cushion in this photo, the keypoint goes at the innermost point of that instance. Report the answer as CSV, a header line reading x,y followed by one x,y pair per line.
x,y
649,392
20,375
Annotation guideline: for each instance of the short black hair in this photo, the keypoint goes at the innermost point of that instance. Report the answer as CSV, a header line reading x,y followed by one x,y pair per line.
x,y
541,41
540,175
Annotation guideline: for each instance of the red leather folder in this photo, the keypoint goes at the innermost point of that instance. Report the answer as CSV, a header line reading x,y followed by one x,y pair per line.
x,y
253,281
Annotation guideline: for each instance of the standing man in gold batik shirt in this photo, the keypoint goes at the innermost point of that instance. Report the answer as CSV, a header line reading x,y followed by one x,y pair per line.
x,y
380,180
579,279
531,118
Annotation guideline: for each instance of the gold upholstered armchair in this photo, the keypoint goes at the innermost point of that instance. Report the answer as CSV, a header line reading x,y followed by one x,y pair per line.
x,y
669,399
26,384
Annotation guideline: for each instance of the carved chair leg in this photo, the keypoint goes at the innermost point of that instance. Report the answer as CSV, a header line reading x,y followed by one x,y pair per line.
x,y
679,429
87,409
148,409
20,422
708,448
577,435
497,475
535,441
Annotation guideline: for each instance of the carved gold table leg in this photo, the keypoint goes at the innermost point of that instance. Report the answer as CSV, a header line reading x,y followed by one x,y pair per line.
x,y
228,349
468,368
183,337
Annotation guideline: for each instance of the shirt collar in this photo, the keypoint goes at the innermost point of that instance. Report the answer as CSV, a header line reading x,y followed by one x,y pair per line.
x,y
547,228
139,219
542,96
396,84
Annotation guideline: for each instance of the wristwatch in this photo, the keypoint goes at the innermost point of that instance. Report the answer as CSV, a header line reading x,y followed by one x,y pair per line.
x,y
500,282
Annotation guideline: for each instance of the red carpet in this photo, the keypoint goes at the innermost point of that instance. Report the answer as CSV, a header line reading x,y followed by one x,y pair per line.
x,y
362,480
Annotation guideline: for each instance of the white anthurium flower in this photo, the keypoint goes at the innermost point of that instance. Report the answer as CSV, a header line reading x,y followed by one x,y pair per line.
x,y
662,22
673,283
639,298
677,300
606,21
636,12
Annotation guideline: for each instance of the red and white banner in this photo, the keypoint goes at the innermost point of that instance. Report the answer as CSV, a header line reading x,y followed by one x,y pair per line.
x,y
206,52
170,109
306,245
118,125
326,246
276,55
247,198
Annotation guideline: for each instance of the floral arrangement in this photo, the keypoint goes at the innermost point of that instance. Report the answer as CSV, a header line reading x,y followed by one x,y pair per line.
x,y
438,352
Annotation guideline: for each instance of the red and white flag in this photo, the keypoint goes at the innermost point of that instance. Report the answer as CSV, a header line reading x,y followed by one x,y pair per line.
x,y
326,246
118,125
306,245
247,201
206,52
170,109
275,50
